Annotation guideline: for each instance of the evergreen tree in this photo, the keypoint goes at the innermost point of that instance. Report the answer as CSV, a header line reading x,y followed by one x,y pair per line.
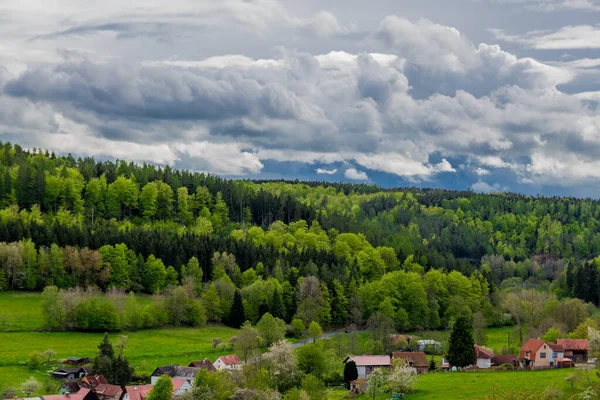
x,y
106,348
350,373
277,308
237,316
212,303
122,371
461,346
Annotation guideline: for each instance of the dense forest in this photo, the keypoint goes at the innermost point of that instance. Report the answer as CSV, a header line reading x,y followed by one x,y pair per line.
x,y
311,251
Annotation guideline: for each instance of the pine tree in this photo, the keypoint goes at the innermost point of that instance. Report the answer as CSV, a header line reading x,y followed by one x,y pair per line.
x,y
350,373
106,348
277,309
461,346
237,316
122,371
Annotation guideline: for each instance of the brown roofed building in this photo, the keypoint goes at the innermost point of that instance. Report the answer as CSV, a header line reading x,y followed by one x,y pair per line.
x,y
203,364
502,359
537,353
92,381
416,359
575,349
483,357
106,391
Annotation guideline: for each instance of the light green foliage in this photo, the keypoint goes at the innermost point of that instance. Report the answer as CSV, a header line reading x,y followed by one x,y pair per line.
x,y
377,383
315,331
271,329
212,303
162,389
551,335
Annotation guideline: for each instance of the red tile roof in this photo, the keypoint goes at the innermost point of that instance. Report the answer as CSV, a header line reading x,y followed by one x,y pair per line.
x,y
482,352
417,358
231,359
573,344
108,390
532,345
94,380
499,359
73,396
370,360
138,392
556,347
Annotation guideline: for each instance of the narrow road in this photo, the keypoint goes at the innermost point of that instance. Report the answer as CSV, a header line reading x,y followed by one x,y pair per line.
x,y
306,341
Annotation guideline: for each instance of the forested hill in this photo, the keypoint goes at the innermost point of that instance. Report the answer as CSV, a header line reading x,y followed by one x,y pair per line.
x,y
56,212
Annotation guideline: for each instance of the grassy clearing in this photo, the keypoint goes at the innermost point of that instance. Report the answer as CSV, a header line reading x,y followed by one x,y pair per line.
x,y
146,349
20,311
469,385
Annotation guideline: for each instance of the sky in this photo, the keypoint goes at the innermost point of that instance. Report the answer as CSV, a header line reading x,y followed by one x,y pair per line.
x,y
486,95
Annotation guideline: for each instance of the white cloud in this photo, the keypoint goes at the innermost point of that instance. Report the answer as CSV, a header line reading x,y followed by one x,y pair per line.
x,y
354,174
322,171
484,187
481,171
567,37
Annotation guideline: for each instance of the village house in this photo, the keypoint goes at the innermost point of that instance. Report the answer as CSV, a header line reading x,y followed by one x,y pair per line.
x,y
538,353
106,391
230,363
483,357
69,387
92,381
416,359
174,371
69,373
203,364
367,364
504,359
575,349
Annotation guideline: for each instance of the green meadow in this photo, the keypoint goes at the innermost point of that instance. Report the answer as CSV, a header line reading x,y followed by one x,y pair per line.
x,y
470,385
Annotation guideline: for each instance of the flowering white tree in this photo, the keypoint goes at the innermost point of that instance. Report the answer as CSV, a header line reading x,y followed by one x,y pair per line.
x,y
403,377
377,383
283,358
594,342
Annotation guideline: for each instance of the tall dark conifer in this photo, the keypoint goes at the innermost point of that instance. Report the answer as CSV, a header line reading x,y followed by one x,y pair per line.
x,y
461,345
237,316
277,309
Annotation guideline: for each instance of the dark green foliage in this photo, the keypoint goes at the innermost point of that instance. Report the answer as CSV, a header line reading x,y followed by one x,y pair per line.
x,y
105,348
350,373
277,308
116,370
461,346
237,316
432,365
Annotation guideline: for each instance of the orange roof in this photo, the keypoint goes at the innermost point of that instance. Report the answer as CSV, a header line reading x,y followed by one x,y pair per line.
x,y
532,345
231,359
573,344
482,352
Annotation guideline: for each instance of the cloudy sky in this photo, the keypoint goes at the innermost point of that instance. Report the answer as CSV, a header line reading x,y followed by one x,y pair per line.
x,y
491,95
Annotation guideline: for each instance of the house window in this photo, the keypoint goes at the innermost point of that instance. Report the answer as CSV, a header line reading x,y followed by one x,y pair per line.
x,y
542,355
554,355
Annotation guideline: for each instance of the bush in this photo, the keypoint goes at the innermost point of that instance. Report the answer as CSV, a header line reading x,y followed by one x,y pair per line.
x,y
35,361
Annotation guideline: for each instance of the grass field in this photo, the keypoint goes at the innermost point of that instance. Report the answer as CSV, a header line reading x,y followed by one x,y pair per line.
x,y
469,385
146,349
